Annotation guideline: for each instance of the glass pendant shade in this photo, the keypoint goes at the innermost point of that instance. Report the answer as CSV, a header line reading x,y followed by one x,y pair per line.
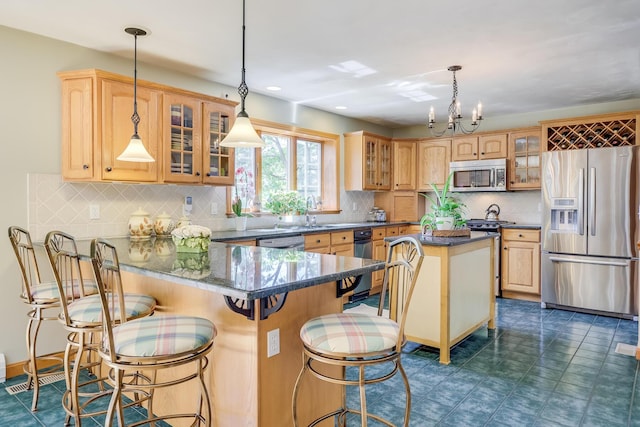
x,y
242,134
135,152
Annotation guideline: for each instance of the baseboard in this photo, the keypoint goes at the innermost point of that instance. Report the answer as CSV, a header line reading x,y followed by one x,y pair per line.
x,y
16,369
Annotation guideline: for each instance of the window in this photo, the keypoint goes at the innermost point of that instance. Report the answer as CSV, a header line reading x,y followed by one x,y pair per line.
x,y
293,159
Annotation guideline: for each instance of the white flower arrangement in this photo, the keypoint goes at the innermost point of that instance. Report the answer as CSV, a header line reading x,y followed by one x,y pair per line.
x,y
191,238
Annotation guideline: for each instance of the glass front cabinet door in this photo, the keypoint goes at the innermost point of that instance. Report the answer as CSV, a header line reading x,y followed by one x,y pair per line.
x,y
192,142
217,162
525,159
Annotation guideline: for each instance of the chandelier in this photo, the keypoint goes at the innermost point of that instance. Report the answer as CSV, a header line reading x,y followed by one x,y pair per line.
x,y
454,123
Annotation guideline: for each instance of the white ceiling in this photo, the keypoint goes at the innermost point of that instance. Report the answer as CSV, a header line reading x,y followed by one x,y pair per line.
x,y
517,56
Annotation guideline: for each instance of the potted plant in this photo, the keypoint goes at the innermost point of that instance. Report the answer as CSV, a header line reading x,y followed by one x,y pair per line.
x,y
286,204
446,212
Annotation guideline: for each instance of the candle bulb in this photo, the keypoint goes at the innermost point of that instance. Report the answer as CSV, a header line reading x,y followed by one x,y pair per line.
x,y
474,115
432,115
480,110
458,109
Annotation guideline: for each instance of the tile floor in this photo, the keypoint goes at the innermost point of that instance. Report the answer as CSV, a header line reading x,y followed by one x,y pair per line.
x,y
539,368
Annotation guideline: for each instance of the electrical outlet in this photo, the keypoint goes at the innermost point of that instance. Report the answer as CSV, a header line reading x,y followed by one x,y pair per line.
x,y
94,211
214,208
273,342
355,206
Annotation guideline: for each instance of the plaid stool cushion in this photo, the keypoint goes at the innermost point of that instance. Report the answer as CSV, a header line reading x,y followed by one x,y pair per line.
x,y
350,333
49,290
89,309
162,335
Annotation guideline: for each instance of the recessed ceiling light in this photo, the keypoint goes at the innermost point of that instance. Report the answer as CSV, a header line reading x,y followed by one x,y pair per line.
x,y
274,88
341,107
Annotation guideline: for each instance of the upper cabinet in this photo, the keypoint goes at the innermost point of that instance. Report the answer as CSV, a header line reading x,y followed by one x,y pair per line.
x,y
192,153
177,127
96,128
524,159
404,164
489,146
368,160
434,156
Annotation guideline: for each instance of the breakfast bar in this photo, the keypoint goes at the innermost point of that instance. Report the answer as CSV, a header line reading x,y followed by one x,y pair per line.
x,y
250,293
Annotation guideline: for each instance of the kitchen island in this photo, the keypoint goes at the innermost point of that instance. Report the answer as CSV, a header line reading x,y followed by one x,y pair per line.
x,y
249,293
454,294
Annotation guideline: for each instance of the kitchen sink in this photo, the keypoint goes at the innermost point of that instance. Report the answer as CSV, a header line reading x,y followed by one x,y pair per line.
x,y
343,224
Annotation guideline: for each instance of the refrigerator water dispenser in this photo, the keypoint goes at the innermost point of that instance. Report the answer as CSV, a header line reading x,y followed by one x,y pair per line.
x,y
564,215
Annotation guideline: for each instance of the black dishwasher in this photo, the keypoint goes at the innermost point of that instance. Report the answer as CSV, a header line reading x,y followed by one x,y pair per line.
x,y
362,248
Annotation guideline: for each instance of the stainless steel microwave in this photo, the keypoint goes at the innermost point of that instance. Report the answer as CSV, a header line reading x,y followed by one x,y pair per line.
x,y
479,175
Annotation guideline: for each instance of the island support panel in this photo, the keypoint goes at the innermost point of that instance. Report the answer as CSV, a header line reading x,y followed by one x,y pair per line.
x,y
248,388
453,296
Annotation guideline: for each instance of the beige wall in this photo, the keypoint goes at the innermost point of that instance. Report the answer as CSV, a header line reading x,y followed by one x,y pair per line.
x,y
30,123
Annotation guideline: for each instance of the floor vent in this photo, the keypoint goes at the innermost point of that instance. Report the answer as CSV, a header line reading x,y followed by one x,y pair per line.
x,y
19,388
626,349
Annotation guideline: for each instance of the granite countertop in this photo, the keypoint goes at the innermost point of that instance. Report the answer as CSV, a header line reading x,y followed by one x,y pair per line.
x,y
246,272
264,233
450,241
525,226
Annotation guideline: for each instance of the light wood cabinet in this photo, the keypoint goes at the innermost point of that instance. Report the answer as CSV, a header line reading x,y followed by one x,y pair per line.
x,y
488,146
177,127
191,147
434,157
378,252
96,127
336,243
521,263
368,161
400,205
524,159
404,164
604,130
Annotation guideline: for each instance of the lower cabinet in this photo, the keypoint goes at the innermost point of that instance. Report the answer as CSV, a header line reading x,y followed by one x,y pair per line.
x,y
521,263
338,243
379,252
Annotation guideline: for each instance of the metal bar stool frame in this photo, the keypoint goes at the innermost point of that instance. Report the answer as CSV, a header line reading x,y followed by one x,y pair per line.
x,y
38,296
83,331
137,367
404,260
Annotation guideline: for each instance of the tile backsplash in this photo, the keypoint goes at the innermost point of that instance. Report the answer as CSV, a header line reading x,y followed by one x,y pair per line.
x,y
58,205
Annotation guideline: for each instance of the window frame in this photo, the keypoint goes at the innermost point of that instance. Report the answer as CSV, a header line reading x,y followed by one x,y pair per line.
x,y
330,152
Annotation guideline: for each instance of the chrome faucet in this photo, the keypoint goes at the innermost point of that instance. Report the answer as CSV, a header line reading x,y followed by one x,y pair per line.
x,y
311,203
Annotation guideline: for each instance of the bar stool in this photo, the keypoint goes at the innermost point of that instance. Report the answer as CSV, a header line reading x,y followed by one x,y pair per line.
x,y
81,315
357,340
133,348
40,296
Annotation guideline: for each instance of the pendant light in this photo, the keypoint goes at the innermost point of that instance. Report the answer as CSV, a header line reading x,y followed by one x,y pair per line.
x,y
135,151
242,134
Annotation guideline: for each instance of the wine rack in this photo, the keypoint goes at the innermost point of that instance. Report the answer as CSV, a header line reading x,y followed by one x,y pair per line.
x,y
606,132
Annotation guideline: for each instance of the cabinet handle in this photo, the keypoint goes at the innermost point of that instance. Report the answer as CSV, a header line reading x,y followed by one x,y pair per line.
x,y
505,248
197,173
482,153
108,169
208,173
318,241
85,167
520,235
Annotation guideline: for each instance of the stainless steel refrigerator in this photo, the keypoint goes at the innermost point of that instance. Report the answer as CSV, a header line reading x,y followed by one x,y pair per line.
x,y
590,214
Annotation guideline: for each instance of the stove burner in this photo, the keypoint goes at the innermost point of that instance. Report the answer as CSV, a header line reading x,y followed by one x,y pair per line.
x,y
483,224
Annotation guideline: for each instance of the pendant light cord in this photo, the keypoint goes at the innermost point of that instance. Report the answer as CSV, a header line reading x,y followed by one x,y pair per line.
x,y
135,118
243,90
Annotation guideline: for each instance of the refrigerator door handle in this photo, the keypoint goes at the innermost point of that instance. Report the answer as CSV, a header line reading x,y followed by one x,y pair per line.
x,y
592,201
590,261
581,201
